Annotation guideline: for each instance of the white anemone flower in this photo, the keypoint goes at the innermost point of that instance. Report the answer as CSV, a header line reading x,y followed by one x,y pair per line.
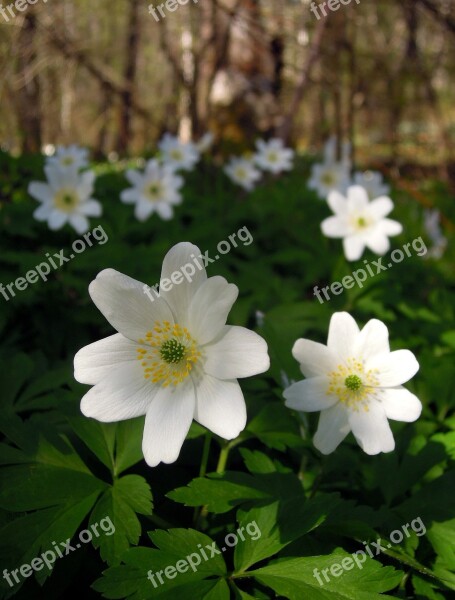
x,y
155,190
329,177
373,182
174,359
69,156
177,154
356,383
65,198
243,172
360,223
272,156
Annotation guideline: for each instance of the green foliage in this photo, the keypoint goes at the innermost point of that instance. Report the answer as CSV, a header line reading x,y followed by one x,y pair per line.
x,y
62,473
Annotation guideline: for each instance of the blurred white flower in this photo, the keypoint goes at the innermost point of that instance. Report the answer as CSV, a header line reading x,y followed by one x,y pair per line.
x,y
69,156
331,174
155,190
432,225
329,177
205,142
356,383
178,155
243,172
360,223
173,360
272,156
373,182
65,198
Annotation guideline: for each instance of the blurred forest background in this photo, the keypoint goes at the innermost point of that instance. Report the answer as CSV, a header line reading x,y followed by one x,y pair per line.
x,y
107,75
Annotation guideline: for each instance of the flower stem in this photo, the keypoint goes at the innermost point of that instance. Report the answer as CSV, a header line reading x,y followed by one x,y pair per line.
x,y
222,460
205,454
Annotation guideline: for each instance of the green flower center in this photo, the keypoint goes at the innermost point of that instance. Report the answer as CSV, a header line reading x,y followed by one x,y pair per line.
x,y
66,200
172,351
67,161
361,222
353,383
328,179
176,154
273,157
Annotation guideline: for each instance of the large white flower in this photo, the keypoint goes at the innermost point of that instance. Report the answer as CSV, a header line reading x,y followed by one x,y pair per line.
x,y
69,156
242,172
360,223
272,156
65,198
155,190
373,182
181,156
356,383
174,358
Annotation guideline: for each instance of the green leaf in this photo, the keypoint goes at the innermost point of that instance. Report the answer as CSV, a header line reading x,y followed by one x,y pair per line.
x,y
294,578
139,577
120,503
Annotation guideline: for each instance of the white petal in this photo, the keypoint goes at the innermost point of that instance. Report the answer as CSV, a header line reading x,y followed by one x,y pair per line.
x,y
122,394
390,227
57,219
371,429
377,242
134,177
309,395
353,247
373,340
165,211
337,203
333,427
123,302
143,210
395,368
400,405
238,353
42,212
167,422
343,334
220,407
210,307
314,358
93,362
40,191
380,207
129,196
335,227
91,208
357,198
79,223
182,258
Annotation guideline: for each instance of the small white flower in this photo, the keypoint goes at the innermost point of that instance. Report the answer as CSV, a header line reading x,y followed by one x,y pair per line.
x,y
205,142
273,156
69,156
173,360
65,198
242,172
373,182
356,383
180,156
360,223
155,190
329,177
432,225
